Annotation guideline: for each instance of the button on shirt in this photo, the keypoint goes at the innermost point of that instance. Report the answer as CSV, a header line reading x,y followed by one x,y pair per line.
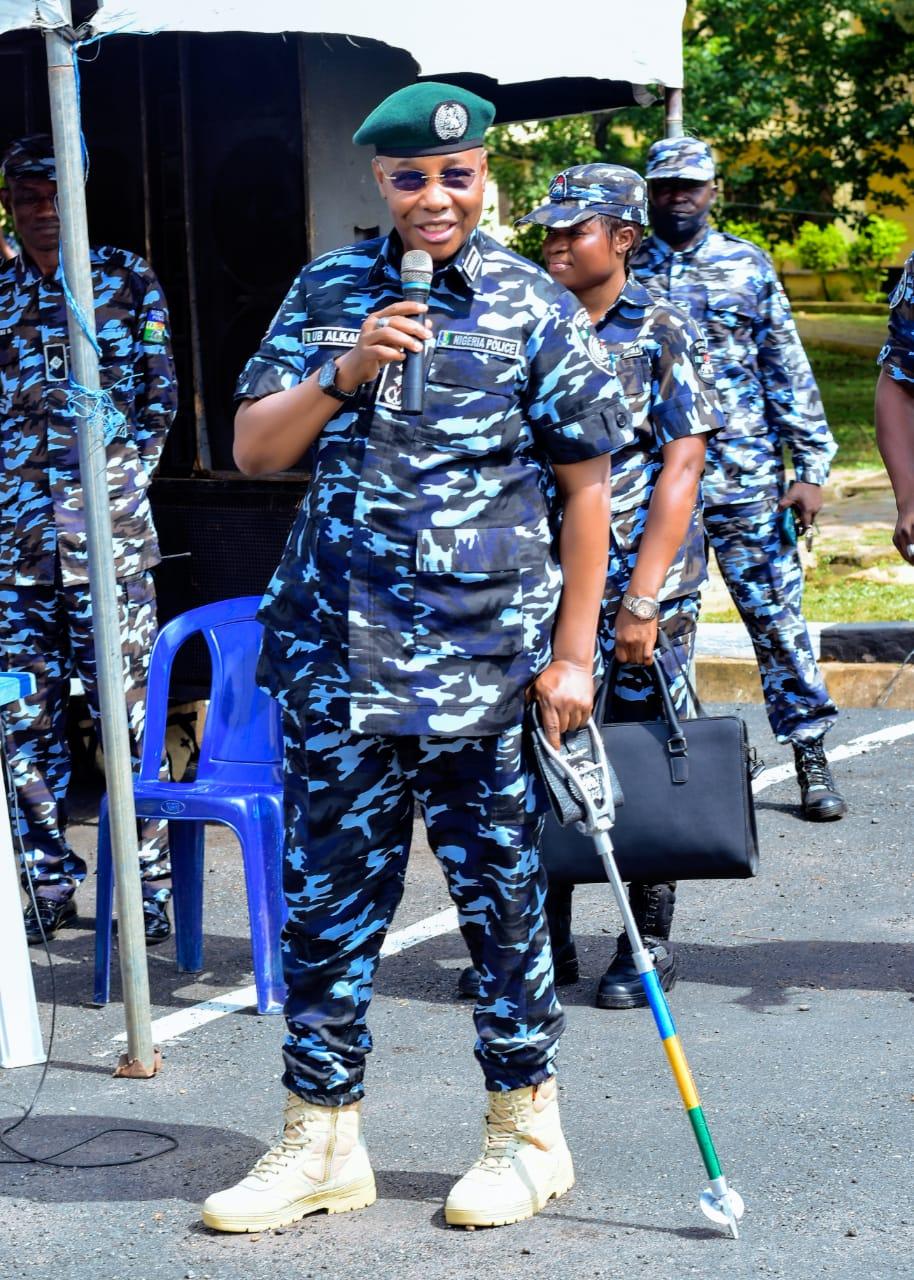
x,y
897,356
417,591
663,364
41,497
768,393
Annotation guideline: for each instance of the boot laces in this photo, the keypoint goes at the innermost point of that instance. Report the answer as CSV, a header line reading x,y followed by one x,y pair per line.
x,y
295,1139
814,768
505,1134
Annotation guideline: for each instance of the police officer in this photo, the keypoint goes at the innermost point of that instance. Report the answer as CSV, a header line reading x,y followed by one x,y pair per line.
x,y
895,407
418,602
594,218
46,624
770,401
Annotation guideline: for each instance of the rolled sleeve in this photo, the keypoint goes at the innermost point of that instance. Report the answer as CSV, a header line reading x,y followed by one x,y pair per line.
x,y
573,402
684,400
897,356
280,362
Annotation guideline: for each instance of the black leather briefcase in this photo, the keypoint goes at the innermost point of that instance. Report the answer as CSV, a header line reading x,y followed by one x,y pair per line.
x,y
687,811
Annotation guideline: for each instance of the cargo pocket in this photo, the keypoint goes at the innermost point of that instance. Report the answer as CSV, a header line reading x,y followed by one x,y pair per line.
x,y
468,403
468,597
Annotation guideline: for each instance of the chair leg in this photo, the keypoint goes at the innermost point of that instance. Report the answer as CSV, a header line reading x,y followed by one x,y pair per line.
x,y
262,851
104,901
185,842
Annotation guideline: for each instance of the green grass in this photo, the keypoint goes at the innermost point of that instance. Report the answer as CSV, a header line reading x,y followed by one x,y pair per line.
x,y
847,383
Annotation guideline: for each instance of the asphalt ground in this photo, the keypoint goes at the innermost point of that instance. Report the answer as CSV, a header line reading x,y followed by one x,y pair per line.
x,y
794,1008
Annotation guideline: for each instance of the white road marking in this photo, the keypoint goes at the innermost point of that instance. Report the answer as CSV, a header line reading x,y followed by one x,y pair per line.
x,y
177,1024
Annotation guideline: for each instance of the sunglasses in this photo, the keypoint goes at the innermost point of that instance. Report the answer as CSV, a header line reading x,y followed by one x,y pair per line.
x,y
456,179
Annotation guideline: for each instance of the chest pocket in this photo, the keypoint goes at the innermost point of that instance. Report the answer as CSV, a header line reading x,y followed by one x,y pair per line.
x,y
729,329
468,401
468,597
633,368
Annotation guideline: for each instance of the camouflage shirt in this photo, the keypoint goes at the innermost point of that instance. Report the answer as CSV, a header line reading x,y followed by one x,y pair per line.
x,y
663,365
41,497
418,587
767,390
897,356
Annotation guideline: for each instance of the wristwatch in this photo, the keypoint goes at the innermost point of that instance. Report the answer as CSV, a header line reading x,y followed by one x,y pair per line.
x,y
643,607
326,380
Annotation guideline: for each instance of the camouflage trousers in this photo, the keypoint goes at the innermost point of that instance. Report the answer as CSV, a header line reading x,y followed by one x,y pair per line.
x,y
349,803
47,630
765,579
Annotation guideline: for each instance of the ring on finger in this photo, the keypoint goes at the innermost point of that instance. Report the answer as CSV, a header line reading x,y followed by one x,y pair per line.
x,y
381,322
909,550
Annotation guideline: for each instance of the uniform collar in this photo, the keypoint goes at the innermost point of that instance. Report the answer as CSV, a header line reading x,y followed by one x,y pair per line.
x,y
27,272
632,294
465,267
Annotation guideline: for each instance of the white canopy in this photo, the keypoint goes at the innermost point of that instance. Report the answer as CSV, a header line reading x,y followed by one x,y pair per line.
x,y
641,43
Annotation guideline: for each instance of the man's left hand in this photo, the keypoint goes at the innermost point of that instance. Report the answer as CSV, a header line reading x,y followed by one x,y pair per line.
x,y
564,692
806,499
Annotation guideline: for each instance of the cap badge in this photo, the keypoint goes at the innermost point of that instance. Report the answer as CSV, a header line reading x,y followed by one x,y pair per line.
x,y
559,188
450,121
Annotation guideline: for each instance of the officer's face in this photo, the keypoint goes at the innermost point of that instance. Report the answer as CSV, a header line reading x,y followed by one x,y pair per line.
x,y
441,213
581,257
32,203
681,195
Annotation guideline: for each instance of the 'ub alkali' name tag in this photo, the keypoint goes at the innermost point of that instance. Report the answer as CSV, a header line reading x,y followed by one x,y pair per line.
x,y
487,344
328,337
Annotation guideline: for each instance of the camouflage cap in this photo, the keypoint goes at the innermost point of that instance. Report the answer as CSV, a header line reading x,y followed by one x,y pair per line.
x,y
29,157
427,119
687,158
585,190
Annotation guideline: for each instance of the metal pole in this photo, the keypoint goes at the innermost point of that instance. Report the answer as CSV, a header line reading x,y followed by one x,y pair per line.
x,y
102,581
673,108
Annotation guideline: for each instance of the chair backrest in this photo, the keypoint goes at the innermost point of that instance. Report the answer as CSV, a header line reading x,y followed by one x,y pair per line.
x,y
242,738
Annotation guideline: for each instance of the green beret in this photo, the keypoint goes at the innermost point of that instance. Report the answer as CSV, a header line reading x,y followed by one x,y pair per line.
x,y
426,119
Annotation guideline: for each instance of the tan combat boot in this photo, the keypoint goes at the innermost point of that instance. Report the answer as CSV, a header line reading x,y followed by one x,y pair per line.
x,y
320,1163
525,1161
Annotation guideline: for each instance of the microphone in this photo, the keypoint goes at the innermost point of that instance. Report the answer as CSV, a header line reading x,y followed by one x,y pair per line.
x,y
416,280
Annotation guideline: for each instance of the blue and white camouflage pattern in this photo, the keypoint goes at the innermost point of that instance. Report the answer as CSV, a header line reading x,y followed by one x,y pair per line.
x,y
349,819
41,500
418,587
584,190
897,356
768,393
663,364
683,158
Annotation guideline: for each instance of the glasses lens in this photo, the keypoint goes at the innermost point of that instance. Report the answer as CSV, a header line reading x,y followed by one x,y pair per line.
x,y
407,180
458,179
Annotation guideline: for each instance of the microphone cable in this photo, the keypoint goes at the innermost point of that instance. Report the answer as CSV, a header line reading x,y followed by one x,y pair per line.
x,y
53,1159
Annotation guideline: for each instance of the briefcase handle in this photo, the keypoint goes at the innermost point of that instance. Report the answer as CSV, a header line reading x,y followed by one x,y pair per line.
x,y
676,745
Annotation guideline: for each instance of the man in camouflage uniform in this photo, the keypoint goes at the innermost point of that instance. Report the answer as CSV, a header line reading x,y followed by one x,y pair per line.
x,y
46,624
419,600
594,218
770,400
895,407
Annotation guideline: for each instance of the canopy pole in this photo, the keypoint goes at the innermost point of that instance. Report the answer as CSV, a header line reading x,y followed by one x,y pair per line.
x,y
74,237
673,110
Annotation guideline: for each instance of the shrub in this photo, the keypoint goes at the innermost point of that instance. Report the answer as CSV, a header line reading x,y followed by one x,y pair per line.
x,y
820,249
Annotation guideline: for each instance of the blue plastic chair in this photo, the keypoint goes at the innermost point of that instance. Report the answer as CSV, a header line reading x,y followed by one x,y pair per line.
x,y
238,782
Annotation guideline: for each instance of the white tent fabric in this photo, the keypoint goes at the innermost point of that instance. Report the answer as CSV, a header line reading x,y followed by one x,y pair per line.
x,y
641,43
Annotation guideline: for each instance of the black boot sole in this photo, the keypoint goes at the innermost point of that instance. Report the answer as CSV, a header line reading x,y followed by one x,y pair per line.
x,y
637,999
825,815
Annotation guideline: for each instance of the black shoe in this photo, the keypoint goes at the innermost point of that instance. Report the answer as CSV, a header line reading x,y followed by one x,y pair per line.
x,y
620,987
468,984
822,801
51,915
156,924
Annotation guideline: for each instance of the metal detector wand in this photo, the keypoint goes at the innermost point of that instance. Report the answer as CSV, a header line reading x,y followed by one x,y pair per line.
x,y
586,776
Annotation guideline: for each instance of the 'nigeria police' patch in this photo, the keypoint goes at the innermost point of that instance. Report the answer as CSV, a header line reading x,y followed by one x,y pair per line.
x,y
330,337
450,121
703,365
487,344
558,189
594,347
154,326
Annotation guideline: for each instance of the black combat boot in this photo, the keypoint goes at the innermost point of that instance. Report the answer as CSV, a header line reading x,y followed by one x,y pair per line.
x,y
822,801
564,953
652,906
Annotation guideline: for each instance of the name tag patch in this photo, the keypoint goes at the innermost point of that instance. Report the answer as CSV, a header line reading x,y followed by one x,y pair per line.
x,y
328,337
56,363
487,344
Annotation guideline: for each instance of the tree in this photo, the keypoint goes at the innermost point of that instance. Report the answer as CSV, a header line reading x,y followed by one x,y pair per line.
x,y
871,251
820,249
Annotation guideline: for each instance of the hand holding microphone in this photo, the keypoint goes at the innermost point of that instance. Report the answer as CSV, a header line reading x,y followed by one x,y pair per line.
x,y
393,333
416,279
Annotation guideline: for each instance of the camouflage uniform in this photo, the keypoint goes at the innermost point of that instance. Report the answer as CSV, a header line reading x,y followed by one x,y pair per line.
x,y
46,619
413,606
897,356
769,399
